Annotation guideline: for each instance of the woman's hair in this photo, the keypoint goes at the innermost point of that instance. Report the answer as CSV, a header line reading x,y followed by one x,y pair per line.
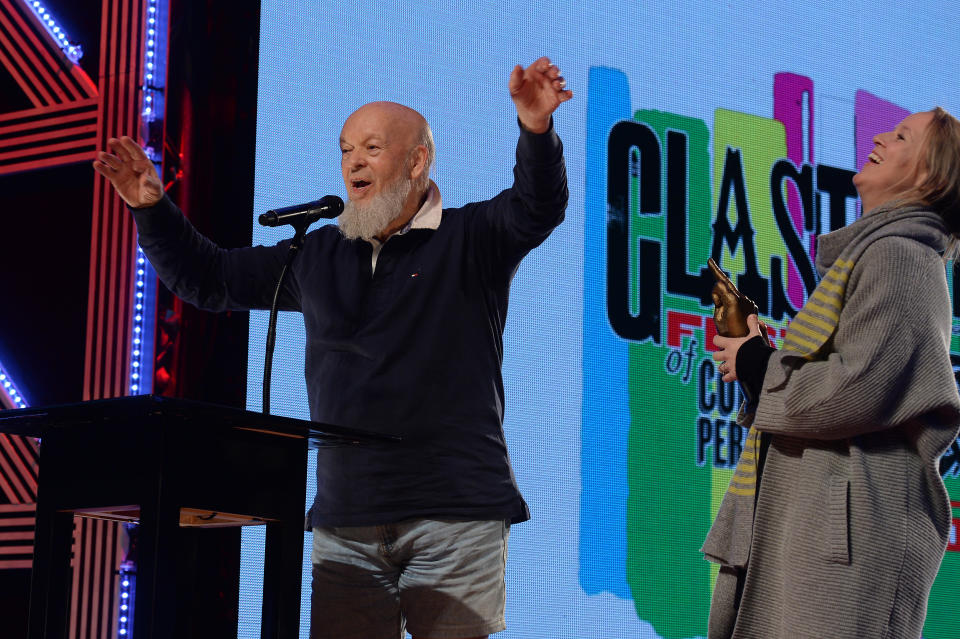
x,y
940,191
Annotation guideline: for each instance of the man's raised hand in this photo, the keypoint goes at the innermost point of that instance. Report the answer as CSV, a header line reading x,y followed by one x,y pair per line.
x,y
131,172
536,92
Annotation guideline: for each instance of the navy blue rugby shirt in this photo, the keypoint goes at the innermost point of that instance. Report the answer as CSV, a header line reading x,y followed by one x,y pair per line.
x,y
414,348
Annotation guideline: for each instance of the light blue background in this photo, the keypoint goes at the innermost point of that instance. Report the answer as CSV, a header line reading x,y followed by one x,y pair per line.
x,y
450,61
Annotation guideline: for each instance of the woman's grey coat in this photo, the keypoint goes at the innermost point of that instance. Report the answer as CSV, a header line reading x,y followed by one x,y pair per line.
x,y
852,516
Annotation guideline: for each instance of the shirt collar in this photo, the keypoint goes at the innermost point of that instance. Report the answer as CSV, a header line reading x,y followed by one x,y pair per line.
x,y
429,215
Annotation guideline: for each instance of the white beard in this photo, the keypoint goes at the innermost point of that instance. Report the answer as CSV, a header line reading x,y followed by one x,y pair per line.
x,y
366,221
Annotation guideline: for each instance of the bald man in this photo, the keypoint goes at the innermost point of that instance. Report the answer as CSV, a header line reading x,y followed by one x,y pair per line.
x,y
404,304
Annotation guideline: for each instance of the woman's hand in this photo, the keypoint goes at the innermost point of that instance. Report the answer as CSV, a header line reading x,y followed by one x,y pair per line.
x,y
728,347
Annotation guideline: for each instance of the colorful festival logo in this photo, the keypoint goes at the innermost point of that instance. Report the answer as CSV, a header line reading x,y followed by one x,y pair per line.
x,y
665,192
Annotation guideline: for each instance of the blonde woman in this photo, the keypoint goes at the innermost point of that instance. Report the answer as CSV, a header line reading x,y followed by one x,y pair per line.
x,y
836,520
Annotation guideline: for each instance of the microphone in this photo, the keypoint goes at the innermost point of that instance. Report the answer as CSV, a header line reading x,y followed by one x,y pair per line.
x,y
327,207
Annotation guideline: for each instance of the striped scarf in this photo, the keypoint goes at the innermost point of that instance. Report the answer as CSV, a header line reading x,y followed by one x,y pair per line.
x,y
813,326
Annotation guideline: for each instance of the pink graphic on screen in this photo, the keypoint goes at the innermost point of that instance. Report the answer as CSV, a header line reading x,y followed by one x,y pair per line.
x,y
872,115
789,90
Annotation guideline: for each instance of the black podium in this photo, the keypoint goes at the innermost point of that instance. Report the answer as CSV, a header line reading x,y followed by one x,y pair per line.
x,y
183,463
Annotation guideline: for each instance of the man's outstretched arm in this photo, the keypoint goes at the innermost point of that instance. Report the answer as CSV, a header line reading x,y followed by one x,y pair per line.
x,y
522,217
194,268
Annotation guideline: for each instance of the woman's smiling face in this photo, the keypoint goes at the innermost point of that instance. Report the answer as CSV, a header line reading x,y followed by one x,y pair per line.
x,y
896,165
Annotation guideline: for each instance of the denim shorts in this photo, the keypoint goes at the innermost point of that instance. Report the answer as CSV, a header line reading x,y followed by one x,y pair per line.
x,y
430,577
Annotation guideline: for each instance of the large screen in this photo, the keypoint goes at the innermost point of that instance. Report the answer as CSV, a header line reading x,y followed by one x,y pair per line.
x,y
730,129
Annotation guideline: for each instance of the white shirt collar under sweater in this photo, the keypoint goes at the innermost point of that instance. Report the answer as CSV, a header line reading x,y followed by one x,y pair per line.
x,y
428,217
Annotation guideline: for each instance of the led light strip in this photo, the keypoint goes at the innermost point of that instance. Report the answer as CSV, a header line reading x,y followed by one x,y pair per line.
x,y
151,132
152,92
72,50
137,368
153,70
11,390
127,589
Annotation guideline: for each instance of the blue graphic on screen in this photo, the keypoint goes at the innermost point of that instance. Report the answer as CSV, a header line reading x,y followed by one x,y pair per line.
x,y
578,393
605,422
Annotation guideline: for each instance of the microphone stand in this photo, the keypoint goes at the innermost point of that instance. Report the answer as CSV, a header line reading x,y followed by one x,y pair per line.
x,y
295,245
